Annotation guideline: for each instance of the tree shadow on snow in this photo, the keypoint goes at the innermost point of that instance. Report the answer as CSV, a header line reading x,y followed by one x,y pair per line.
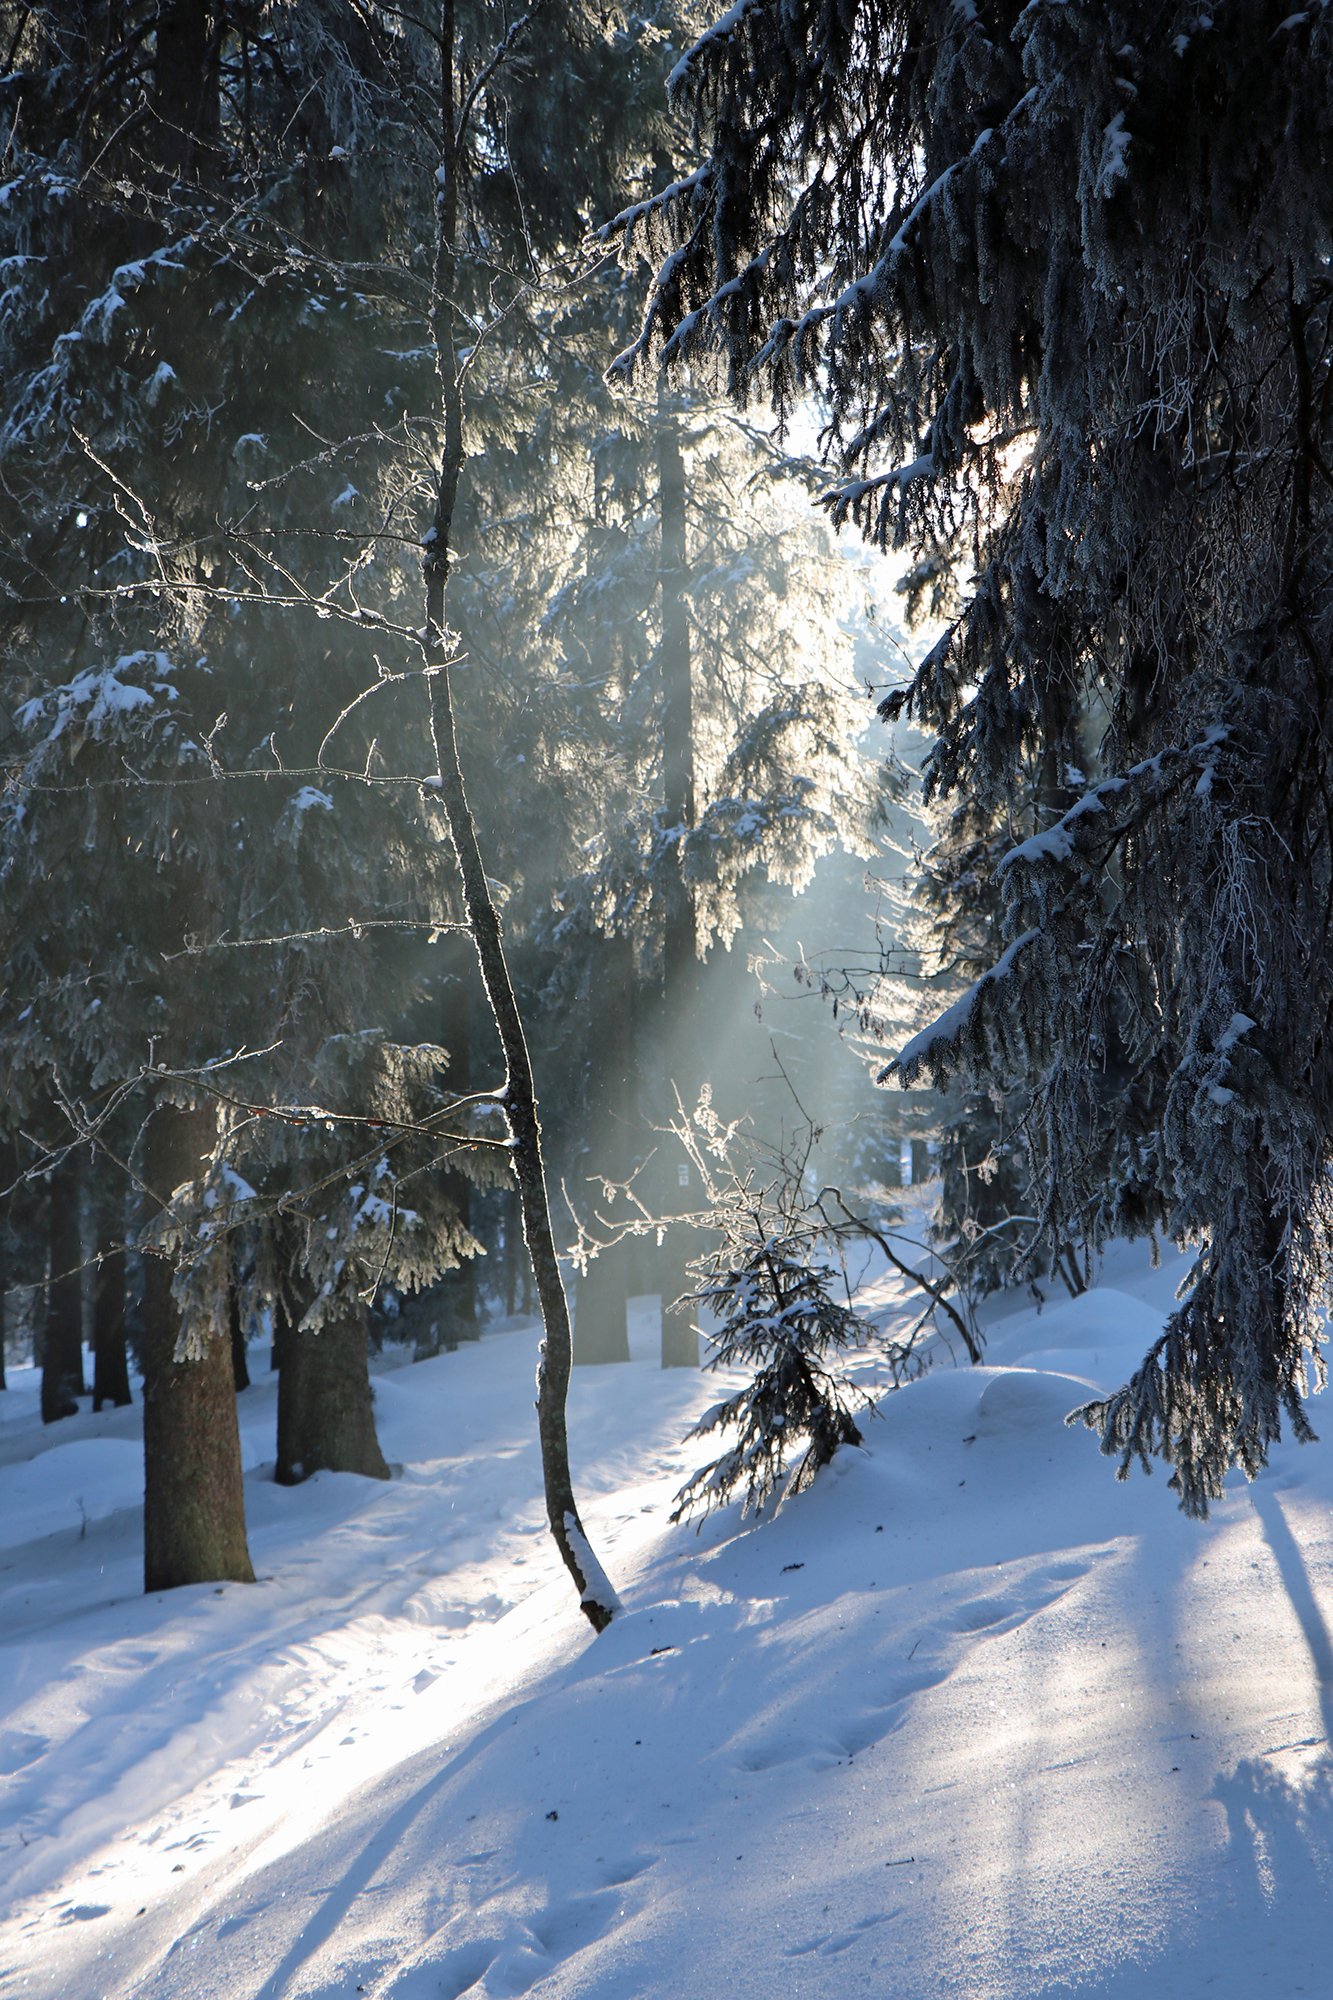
x,y
1258,1913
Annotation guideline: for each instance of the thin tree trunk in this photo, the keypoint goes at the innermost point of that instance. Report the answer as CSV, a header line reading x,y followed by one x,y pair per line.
x,y
520,1108
513,1228
601,1312
8,1175
194,1500
518,1095
283,1357
240,1371
457,1289
111,1374
680,960
62,1336
680,955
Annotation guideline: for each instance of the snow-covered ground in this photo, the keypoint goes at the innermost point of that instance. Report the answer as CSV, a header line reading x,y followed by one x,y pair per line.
x,y
969,1718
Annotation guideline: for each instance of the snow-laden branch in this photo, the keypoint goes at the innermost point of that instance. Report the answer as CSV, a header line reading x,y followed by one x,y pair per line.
x,y
709,43
632,218
1059,844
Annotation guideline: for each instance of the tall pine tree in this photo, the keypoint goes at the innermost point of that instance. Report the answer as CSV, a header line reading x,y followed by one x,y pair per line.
x,y
1062,273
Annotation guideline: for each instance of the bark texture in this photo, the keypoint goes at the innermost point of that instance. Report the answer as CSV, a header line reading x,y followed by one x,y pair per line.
x,y
326,1422
111,1375
456,1291
194,1501
680,960
240,1367
186,76
62,1336
601,1323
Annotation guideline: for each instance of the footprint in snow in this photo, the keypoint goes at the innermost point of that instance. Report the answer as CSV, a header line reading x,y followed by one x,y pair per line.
x,y
1035,1591
503,1950
616,1873
829,1943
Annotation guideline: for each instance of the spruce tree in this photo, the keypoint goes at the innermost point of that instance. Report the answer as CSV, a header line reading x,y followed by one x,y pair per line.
x,y
161,688
1063,275
696,573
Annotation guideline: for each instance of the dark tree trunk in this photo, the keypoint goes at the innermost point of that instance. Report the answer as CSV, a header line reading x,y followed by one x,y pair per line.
x,y
62,1335
680,961
601,1323
514,1257
282,1357
457,1289
240,1372
111,1374
186,79
8,1175
326,1422
520,1099
194,1500
278,1344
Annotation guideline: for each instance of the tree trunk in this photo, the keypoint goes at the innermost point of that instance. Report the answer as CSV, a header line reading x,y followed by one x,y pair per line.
x,y
194,1500
457,1289
513,1228
62,1336
326,1422
186,78
601,1313
8,1175
680,968
518,1095
111,1374
240,1371
601,1309
680,959
680,1342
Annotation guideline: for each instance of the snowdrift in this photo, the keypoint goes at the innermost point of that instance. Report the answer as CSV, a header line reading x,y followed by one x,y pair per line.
x,y
969,1718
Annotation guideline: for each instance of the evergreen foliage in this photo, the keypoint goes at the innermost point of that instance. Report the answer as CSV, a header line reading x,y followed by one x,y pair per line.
x,y
1062,272
775,1274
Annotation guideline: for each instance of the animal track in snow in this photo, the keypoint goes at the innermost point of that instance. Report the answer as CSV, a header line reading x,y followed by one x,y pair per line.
x,y
616,1873
986,1612
501,1951
810,1730
828,1943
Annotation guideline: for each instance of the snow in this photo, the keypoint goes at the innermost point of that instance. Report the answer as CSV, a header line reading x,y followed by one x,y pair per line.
x,y
951,1023
308,797
95,697
967,1718
721,31
161,378
1115,144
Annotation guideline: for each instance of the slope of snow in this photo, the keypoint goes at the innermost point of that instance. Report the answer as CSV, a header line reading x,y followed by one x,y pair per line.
x,y
968,1718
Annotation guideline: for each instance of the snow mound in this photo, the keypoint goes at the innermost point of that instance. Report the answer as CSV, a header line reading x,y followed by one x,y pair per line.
x,y
968,1717
1102,1338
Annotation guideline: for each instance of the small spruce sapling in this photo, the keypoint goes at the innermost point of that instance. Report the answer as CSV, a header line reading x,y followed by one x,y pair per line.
x,y
773,1277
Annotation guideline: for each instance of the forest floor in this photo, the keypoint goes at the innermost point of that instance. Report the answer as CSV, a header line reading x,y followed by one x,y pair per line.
x,y
869,1746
